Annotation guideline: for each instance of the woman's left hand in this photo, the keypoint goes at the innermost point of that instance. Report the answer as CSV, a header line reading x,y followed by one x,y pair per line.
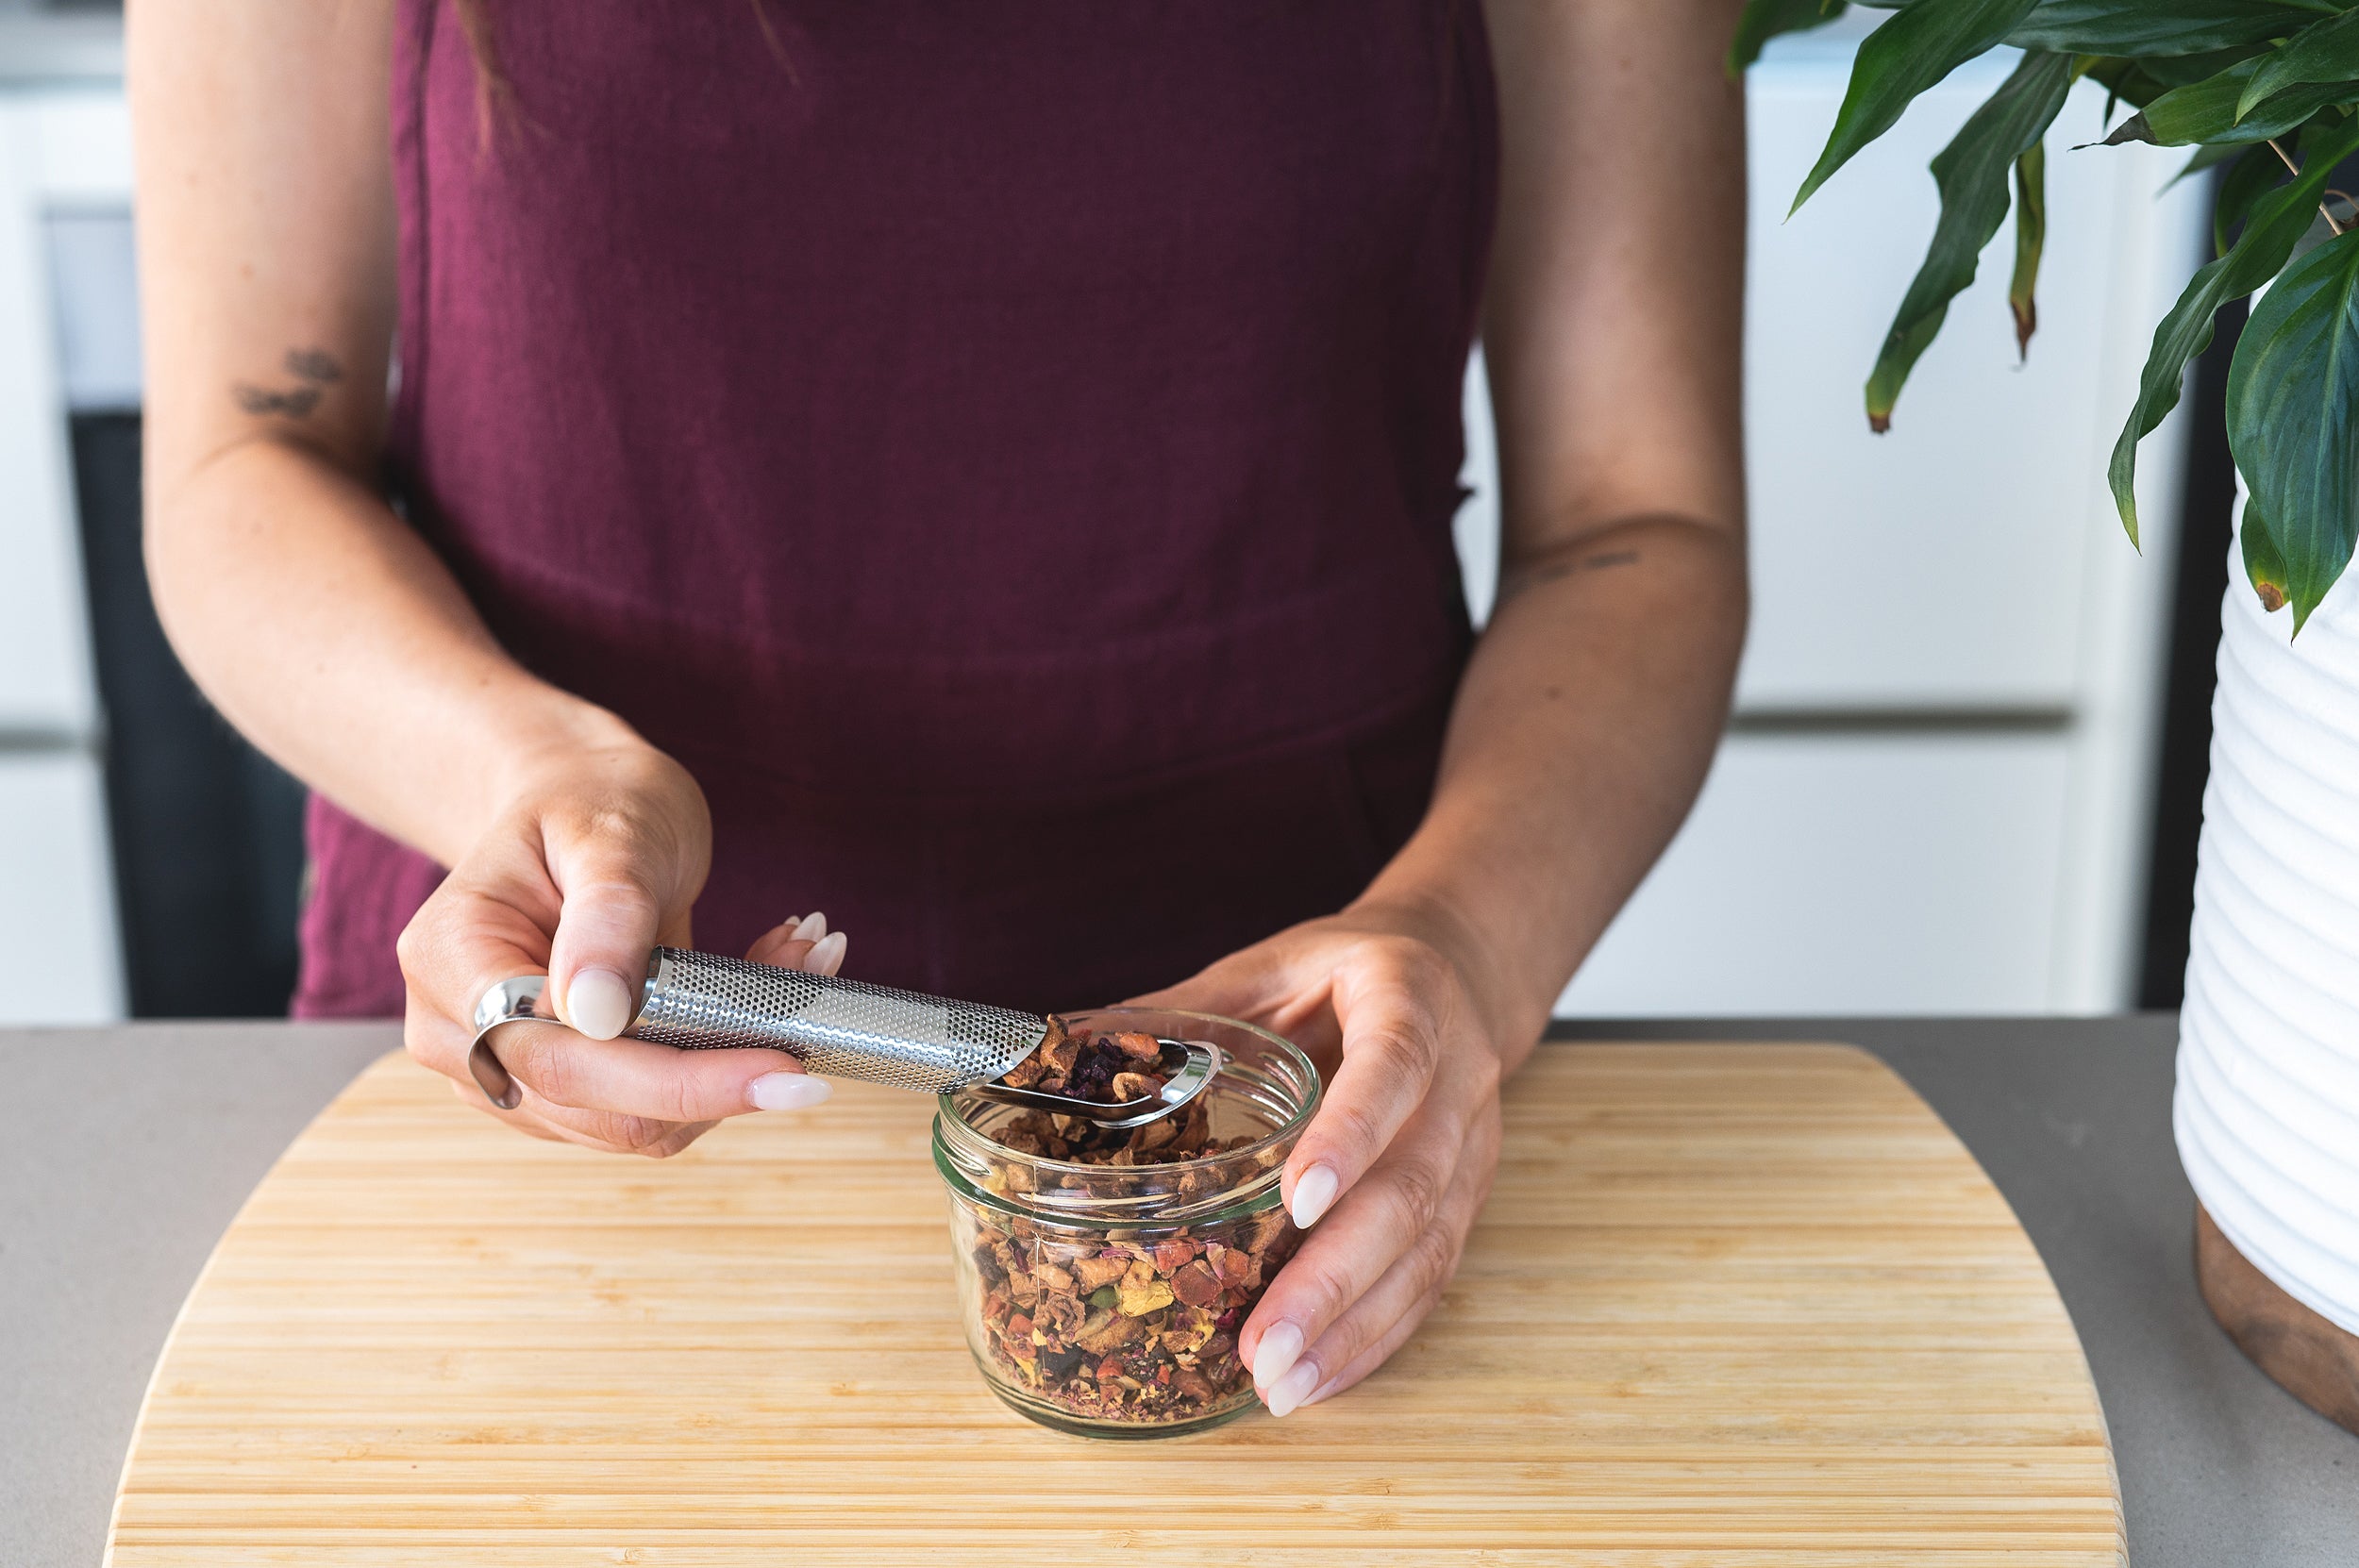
x,y
1412,1045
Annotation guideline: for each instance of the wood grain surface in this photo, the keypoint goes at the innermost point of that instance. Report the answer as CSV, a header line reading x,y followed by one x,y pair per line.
x,y
1730,1305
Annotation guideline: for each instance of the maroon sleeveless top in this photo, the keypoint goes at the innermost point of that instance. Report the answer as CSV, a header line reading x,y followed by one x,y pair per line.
x,y
1006,453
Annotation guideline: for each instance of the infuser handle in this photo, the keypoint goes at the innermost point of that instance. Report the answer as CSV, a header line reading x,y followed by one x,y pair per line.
x,y
840,1028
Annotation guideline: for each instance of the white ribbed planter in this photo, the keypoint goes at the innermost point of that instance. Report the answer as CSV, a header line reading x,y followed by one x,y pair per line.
x,y
2268,1105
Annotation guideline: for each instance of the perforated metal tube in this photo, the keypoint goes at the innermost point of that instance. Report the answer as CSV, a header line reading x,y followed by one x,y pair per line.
x,y
842,1029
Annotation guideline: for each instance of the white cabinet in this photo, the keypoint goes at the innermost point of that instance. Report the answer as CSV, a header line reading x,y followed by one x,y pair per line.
x,y
1938,791
46,688
57,900
1863,873
59,151
1941,564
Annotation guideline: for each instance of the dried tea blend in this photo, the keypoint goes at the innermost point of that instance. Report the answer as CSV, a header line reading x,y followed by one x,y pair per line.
x,y
1134,1325
1107,1069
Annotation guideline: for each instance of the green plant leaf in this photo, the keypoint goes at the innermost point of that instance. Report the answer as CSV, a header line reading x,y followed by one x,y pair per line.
x,y
2125,82
2187,70
1901,58
2031,236
2138,82
1972,174
2293,422
2163,26
2279,220
2256,172
2264,562
2202,158
2215,111
2326,52
1766,19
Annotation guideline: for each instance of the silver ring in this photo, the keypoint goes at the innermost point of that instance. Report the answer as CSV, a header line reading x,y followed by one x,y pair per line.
x,y
512,1001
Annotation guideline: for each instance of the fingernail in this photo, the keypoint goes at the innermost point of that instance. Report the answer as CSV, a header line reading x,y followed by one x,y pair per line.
x,y
1292,1390
1314,1190
810,927
598,1004
788,1092
1276,1354
826,955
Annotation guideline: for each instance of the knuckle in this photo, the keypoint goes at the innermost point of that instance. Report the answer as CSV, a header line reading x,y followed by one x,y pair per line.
x,y
627,1133
1414,963
1482,1067
615,832
1433,1259
1418,1187
423,940
676,1140
677,1091
1327,1284
550,1070
1339,1346
1412,1053
1352,1127
427,1038
408,946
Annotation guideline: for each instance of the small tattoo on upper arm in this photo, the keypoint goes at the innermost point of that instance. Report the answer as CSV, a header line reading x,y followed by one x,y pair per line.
x,y
314,364
294,403
313,368
1558,569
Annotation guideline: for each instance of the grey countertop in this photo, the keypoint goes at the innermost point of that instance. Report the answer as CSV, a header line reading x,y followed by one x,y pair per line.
x,y
129,1149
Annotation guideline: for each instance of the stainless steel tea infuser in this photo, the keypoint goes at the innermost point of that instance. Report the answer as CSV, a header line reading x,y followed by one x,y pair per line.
x,y
838,1029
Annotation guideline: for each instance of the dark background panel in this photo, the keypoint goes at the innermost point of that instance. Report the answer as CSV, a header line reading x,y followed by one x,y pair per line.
x,y
207,832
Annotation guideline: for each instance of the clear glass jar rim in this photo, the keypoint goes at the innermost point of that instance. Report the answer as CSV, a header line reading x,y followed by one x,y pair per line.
x,y
950,1126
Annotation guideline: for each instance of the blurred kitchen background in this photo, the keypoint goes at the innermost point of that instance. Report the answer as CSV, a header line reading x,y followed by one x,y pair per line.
x,y
1969,748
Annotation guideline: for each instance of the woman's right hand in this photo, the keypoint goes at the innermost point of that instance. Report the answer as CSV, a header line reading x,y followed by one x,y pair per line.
x,y
595,861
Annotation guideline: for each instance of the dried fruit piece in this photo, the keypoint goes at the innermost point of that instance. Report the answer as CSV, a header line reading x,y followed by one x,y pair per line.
x,y
1093,1272
1197,1284
1144,1047
1136,1086
1135,1297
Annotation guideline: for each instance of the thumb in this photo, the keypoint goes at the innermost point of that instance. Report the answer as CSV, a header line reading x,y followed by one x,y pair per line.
x,y
613,907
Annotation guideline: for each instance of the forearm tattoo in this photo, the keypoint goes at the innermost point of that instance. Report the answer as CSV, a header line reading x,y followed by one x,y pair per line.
x,y
314,369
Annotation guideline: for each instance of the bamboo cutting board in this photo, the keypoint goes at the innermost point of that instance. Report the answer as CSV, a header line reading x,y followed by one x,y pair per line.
x,y
1729,1305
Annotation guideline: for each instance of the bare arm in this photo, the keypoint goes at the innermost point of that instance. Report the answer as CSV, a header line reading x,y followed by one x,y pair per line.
x,y
318,623
1588,716
1613,328
323,626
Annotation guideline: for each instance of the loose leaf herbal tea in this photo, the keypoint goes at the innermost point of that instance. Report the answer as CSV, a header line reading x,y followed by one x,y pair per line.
x,y
1106,1069
1136,1325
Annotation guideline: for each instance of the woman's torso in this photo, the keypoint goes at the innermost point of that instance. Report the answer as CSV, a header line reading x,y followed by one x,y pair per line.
x,y
1006,453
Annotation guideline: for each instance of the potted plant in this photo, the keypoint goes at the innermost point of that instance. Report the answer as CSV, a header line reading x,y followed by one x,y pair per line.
x,y
2265,92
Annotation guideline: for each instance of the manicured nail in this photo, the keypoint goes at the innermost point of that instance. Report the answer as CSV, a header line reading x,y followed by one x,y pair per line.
x,y
810,927
598,1004
788,1090
1314,1190
1276,1354
1289,1391
826,955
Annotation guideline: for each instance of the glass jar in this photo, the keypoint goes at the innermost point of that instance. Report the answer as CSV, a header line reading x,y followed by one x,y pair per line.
x,y
1105,1299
